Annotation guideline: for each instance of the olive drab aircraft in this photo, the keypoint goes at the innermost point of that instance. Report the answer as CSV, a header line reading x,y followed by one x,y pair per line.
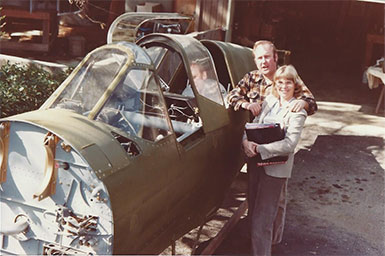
x,y
132,151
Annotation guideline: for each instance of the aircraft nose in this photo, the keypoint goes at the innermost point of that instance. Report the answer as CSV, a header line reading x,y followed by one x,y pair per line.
x,y
45,188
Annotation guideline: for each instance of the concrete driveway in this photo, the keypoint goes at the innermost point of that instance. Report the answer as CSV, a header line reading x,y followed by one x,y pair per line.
x,y
336,195
336,203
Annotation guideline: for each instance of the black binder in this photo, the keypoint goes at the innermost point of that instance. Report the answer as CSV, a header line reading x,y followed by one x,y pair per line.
x,y
263,134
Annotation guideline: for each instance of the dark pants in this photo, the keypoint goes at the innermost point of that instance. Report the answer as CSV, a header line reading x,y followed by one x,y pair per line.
x,y
264,198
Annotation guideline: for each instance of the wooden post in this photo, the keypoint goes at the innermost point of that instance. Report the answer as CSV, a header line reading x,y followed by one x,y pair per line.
x,y
194,247
198,15
173,250
380,100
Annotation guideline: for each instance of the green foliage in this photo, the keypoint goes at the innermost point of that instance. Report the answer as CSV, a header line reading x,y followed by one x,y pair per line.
x,y
24,88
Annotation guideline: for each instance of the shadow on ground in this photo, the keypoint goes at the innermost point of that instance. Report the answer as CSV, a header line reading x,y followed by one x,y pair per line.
x,y
335,204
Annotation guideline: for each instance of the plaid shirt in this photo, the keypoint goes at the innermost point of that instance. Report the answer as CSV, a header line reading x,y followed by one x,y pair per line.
x,y
253,87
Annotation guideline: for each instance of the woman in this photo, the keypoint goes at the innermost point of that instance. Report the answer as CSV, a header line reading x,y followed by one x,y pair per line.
x,y
266,183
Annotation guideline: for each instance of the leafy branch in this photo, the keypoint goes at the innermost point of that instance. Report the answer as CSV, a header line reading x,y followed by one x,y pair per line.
x,y
24,88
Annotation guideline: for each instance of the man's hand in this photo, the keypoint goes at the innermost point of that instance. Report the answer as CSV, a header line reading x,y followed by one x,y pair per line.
x,y
298,105
250,148
255,108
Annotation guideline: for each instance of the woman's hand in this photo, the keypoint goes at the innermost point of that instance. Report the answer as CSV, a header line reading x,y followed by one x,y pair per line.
x,y
250,148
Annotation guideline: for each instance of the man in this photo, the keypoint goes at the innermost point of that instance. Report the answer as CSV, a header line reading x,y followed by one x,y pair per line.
x,y
256,85
205,85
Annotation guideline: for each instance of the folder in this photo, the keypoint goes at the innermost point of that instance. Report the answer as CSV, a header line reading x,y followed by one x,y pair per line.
x,y
263,134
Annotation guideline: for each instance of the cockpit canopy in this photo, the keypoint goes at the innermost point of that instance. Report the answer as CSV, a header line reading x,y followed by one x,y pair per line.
x,y
181,61
116,84
151,91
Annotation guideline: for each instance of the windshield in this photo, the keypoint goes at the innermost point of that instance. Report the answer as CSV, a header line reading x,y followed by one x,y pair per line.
x,y
169,67
91,81
137,107
126,98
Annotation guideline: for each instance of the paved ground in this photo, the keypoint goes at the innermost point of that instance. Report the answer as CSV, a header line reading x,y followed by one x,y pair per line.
x,y
336,195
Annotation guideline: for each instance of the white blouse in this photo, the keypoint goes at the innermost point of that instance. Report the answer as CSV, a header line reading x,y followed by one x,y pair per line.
x,y
277,113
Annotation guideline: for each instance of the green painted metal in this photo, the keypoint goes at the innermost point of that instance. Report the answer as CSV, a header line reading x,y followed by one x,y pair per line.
x,y
239,59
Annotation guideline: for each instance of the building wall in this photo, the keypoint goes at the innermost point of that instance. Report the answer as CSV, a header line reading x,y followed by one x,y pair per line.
x,y
209,14
167,5
213,14
319,25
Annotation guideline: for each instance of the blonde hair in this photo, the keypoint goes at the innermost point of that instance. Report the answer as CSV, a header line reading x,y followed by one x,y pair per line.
x,y
290,73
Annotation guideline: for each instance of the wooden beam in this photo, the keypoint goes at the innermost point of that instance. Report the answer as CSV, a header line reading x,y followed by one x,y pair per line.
x,y
38,15
39,47
218,239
